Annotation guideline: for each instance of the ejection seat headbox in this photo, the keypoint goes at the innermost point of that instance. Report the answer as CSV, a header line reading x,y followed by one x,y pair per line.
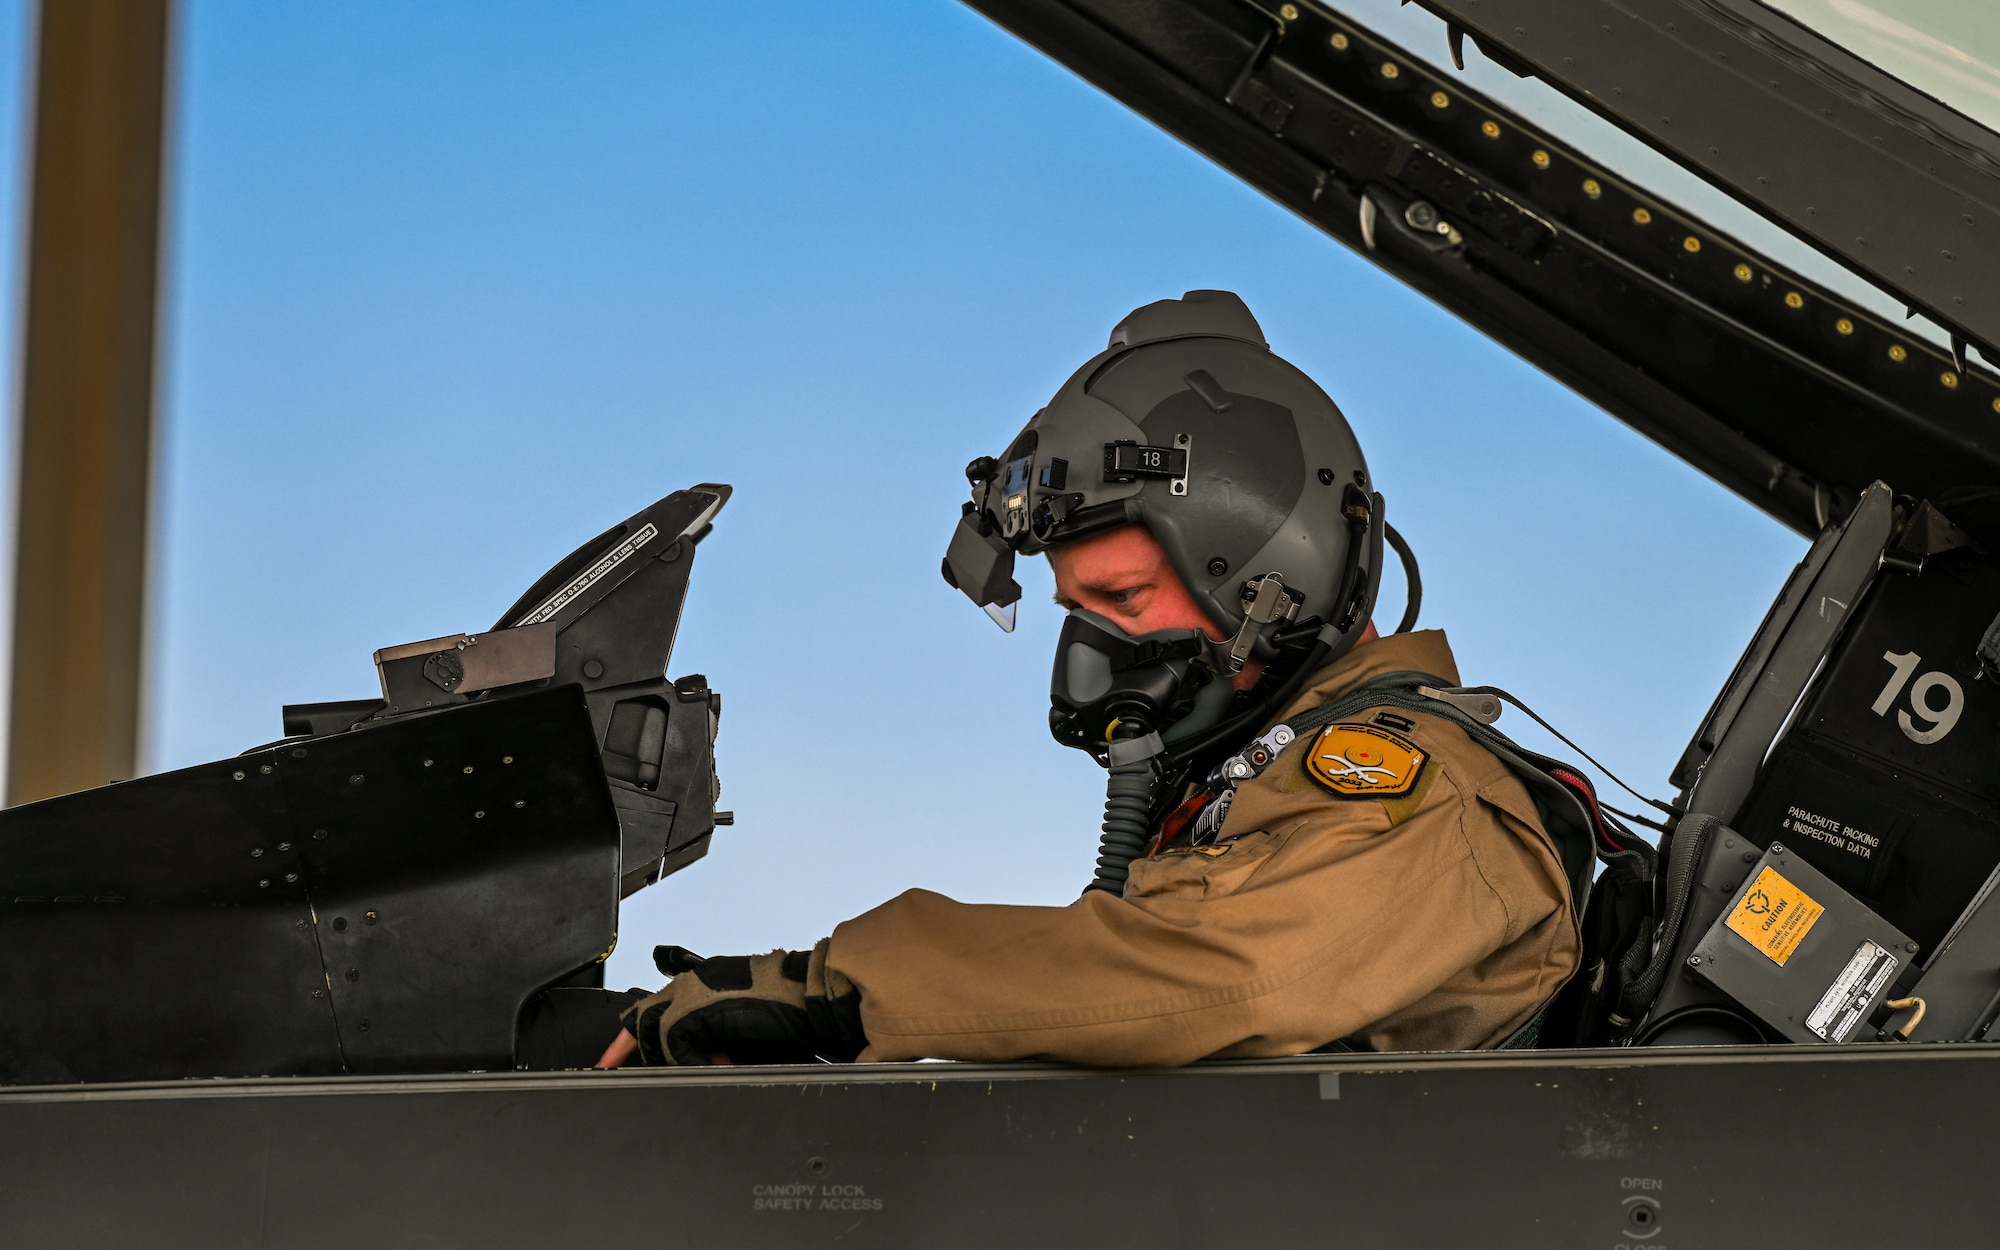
x,y
1235,460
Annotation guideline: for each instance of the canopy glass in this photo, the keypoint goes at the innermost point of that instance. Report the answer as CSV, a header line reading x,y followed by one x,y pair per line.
x,y
1948,49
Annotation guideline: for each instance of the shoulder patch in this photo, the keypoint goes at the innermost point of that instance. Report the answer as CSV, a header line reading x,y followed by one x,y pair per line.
x,y
1362,761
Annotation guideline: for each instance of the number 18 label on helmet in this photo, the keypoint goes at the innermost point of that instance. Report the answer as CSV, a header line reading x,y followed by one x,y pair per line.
x,y
1361,760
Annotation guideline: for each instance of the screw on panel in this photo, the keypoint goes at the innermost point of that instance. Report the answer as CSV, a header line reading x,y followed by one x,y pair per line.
x,y
291,876
364,1026
816,1166
466,769
356,779
264,769
428,763
256,851
1540,158
340,924
479,815
506,759
264,883
237,775
319,993
300,926
298,753
1591,188
319,835
284,846
1641,216
354,974
520,802
1339,43
369,917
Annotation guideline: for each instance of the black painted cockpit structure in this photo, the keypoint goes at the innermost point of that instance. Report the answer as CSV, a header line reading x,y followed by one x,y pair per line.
x,y
390,887
1774,385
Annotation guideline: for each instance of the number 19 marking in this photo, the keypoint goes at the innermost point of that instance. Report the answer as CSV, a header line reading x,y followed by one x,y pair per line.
x,y
1939,721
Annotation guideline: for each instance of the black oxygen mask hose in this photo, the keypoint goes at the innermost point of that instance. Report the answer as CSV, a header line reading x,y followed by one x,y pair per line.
x,y
1130,791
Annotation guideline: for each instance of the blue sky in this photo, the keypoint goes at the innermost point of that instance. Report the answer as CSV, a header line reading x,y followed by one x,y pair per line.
x,y
454,287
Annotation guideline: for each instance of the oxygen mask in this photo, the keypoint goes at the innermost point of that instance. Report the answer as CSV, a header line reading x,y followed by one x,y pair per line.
x,y
1148,690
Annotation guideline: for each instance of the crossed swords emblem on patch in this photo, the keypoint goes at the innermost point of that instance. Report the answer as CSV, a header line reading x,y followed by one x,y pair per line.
x,y
1364,760
1368,774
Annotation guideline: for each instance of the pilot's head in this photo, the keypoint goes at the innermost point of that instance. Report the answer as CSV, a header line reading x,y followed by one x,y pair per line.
x,y
1210,520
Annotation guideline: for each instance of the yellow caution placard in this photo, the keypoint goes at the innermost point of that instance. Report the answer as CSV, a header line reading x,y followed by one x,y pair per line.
x,y
1774,916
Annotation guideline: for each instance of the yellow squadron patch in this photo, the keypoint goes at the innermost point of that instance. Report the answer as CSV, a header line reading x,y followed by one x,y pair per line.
x,y
1365,762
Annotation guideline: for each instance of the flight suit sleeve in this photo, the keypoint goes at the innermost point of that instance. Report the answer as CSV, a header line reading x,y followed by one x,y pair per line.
x,y
1315,916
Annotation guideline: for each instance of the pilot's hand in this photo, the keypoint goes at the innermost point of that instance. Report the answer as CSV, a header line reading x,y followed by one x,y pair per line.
x,y
622,1047
772,1008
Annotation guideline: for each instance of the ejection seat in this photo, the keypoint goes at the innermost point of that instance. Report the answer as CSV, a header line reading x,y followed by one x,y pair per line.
x,y
1840,803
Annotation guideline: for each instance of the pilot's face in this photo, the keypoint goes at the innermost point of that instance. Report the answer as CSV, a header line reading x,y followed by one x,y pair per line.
x,y
1124,575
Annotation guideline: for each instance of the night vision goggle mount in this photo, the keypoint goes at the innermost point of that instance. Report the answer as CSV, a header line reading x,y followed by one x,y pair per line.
x,y
980,559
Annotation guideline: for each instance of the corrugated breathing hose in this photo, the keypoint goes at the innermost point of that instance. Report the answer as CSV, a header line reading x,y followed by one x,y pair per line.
x,y
1129,792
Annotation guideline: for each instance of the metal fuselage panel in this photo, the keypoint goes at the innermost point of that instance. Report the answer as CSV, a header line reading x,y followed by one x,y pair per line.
x,y
376,901
1603,1149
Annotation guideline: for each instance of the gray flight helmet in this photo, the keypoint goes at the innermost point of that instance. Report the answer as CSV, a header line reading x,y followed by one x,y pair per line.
x,y
1235,460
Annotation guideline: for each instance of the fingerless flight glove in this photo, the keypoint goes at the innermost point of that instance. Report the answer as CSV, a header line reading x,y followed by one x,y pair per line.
x,y
780,1007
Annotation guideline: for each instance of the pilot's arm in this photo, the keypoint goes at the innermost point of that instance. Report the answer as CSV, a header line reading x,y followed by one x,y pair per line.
x,y
1437,920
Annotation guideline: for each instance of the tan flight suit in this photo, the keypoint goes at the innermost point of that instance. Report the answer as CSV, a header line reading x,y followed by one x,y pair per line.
x,y
1436,921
